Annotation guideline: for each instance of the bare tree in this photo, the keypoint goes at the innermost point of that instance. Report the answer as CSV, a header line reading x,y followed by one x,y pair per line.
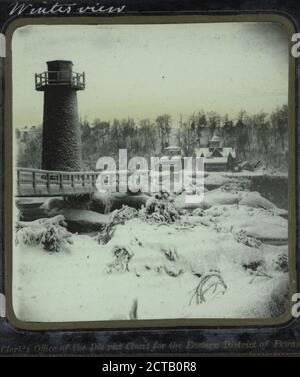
x,y
164,126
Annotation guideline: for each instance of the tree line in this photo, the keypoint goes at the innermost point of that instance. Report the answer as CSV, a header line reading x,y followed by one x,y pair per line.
x,y
255,137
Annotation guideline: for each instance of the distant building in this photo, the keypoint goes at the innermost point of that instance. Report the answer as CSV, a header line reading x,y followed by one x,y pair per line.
x,y
172,155
216,157
173,151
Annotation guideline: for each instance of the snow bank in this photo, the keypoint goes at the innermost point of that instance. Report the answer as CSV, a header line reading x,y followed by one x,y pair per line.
x,y
106,202
80,220
77,285
221,196
214,180
256,222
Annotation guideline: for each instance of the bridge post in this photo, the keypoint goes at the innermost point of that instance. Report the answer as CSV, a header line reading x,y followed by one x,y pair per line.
x,y
61,146
72,181
33,181
48,182
61,184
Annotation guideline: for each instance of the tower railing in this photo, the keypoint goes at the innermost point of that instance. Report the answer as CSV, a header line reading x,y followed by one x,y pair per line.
x,y
74,79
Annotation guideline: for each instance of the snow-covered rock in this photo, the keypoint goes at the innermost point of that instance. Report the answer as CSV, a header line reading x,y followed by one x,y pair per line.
x,y
222,197
80,220
74,285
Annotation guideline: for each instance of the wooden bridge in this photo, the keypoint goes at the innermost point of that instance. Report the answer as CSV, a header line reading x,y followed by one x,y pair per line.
x,y
34,182
38,183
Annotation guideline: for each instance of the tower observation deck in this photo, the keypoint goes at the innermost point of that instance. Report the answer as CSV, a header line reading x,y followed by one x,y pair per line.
x,y
60,74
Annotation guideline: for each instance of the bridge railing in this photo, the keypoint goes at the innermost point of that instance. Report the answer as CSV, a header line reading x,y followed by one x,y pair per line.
x,y
37,182
34,182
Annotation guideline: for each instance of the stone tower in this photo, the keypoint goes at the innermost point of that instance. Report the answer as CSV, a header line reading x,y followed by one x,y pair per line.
x,y
61,148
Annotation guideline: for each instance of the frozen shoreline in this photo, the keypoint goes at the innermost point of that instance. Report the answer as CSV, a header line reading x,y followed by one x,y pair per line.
x,y
74,284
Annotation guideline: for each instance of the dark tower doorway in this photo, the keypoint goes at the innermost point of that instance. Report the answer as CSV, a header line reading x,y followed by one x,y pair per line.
x,y
61,149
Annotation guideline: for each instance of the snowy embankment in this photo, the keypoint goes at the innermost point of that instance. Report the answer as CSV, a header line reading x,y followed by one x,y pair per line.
x,y
164,265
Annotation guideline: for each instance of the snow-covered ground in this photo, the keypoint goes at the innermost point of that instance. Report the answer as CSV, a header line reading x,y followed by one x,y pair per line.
x,y
168,261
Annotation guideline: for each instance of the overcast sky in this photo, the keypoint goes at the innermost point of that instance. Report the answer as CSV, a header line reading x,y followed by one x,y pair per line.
x,y
143,71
